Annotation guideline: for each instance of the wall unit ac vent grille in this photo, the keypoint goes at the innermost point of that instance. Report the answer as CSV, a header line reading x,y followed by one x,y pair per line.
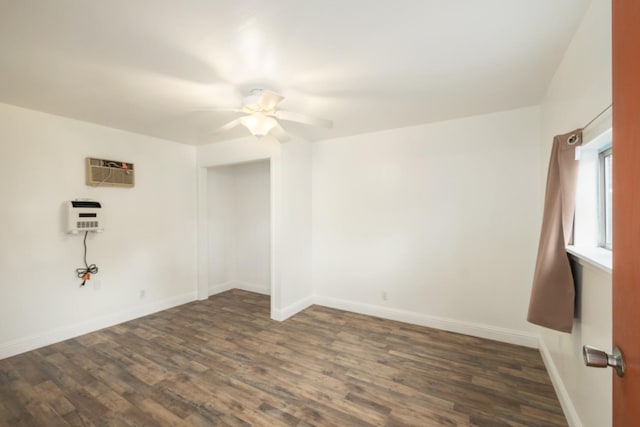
x,y
110,172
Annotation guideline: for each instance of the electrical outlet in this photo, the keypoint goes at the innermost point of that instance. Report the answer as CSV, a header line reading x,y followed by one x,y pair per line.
x,y
142,293
384,295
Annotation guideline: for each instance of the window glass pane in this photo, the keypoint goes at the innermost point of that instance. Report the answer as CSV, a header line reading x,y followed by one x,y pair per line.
x,y
608,205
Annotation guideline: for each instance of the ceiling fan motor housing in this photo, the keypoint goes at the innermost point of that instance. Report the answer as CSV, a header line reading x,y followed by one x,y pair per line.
x,y
252,101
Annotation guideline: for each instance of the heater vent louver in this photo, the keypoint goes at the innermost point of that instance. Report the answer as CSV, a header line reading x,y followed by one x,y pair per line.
x,y
110,172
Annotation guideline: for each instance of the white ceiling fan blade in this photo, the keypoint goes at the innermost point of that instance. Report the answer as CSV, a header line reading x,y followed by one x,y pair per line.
x,y
301,118
268,100
229,126
280,134
224,110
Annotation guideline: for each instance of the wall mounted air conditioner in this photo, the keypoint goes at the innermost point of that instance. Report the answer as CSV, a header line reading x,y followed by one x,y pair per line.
x,y
110,172
84,215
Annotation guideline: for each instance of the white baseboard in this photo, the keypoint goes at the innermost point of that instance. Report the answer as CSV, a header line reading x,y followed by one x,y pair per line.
x,y
252,287
292,309
569,409
245,286
218,289
459,326
21,345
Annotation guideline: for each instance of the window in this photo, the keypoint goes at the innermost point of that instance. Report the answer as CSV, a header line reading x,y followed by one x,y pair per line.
x,y
606,207
592,230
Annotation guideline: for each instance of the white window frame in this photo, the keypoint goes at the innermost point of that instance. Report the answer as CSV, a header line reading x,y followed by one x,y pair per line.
x,y
587,240
602,198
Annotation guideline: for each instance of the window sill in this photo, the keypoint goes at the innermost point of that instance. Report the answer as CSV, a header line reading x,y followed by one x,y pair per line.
x,y
598,257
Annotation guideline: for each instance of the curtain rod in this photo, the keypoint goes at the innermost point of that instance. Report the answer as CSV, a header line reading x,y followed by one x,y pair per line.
x,y
598,116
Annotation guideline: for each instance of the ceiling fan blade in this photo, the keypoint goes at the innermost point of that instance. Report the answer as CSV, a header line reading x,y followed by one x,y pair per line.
x,y
229,126
217,110
280,134
301,118
268,100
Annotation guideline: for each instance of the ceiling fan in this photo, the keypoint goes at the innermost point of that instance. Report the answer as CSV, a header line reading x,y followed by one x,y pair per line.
x,y
262,118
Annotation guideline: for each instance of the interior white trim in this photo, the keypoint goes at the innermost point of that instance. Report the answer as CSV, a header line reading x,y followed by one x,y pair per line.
x,y
203,248
600,258
251,287
244,286
570,412
452,325
292,309
219,288
33,342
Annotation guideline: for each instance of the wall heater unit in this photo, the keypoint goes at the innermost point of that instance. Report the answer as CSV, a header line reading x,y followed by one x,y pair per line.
x,y
84,215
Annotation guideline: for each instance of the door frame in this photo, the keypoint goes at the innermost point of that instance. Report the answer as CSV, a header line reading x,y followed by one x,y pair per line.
x,y
274,206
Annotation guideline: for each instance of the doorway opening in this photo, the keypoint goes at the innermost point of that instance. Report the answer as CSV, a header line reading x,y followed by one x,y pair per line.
x,y
238,224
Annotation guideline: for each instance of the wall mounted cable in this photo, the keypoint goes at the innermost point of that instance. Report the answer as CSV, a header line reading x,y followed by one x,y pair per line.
x,y
85,272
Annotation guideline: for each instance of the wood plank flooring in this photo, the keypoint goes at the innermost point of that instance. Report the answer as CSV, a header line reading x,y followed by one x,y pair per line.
x,y
223,362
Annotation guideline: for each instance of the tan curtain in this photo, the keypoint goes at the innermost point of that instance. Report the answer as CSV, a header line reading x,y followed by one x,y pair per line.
x,y
553,293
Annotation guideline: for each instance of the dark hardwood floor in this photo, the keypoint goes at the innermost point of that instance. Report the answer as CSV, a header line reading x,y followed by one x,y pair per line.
x,y
223,362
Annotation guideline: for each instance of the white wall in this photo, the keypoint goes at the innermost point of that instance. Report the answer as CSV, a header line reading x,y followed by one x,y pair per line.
x,y
149,241
296,224
580,89
442,219
290,202
252,225
239,227
220,228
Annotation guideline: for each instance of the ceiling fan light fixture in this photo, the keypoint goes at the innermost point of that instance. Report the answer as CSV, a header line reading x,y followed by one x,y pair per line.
x,y
262,117
259,124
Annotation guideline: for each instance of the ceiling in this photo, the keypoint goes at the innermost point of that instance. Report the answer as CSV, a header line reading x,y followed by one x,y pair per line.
x,y
152,66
